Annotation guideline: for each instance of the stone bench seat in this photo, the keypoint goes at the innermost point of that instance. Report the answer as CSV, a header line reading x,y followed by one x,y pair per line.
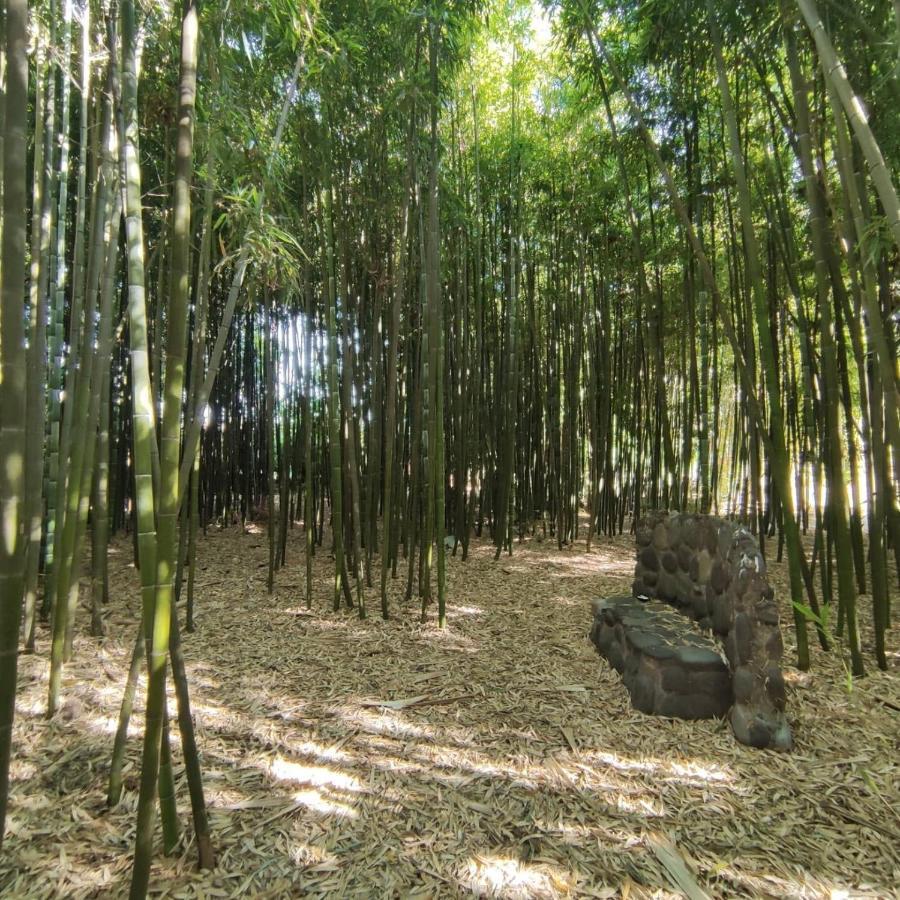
x,y
668,667
698,572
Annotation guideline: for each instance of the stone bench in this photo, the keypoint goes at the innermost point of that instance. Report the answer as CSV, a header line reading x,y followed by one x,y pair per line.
x,y
710,571
668,668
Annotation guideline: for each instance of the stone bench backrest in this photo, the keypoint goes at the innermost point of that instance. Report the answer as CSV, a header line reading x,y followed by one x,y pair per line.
x,y
712,570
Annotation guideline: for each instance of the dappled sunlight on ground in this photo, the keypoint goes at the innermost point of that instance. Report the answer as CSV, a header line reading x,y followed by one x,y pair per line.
x,y
464,610
504,877
499,756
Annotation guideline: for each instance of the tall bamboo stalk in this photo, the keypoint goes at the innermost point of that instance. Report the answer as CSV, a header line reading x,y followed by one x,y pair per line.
x,y
13,448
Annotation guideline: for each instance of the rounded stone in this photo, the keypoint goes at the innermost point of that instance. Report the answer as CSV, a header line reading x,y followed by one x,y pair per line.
x,y
632,662
721,614
775,688
725,539
650,578
760,734
603,637
660,652
743,682
660,536
669,561
753,595
701,706
719,576
666,588
704,566
674,678
741,719
775,645
685,589
649,559
742,630
700,604
676,527
643,640
643,691
690,535
643,535
699,657
615,656
678,706
767,613
730,651
715,683
782,739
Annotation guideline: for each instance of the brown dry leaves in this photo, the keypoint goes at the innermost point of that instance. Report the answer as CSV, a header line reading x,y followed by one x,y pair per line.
x,y
499,757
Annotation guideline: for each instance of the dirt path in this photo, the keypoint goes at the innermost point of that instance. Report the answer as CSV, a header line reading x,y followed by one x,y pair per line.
x,y
512,766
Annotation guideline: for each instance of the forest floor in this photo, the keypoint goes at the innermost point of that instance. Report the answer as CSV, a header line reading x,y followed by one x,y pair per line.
x,y
520,769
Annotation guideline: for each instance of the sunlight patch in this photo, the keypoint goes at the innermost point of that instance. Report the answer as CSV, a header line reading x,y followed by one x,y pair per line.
x,y
466,610
21,771
315,802
504,877
104,724
643,806
703,772
683,769
318,776
387,722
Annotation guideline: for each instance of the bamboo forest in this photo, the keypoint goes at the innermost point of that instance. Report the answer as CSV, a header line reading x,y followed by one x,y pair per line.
x,y
449,448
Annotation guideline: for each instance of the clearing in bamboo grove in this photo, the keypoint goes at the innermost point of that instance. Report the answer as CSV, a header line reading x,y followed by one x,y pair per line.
x,y
367,367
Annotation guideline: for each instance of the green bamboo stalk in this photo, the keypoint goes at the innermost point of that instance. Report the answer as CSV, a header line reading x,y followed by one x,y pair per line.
x,y
350,444
78,366
143,427
78,434
36,409
436,324
53,487
206,858
100,503
308,498
837,489
97,477
426,501
168,811
869,377
117,760
170,437
201,318
13,447
836,74
334,402
390,428
269,419
506,463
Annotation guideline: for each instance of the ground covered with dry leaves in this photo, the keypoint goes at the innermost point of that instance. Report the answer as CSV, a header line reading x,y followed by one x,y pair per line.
x,y
498,757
